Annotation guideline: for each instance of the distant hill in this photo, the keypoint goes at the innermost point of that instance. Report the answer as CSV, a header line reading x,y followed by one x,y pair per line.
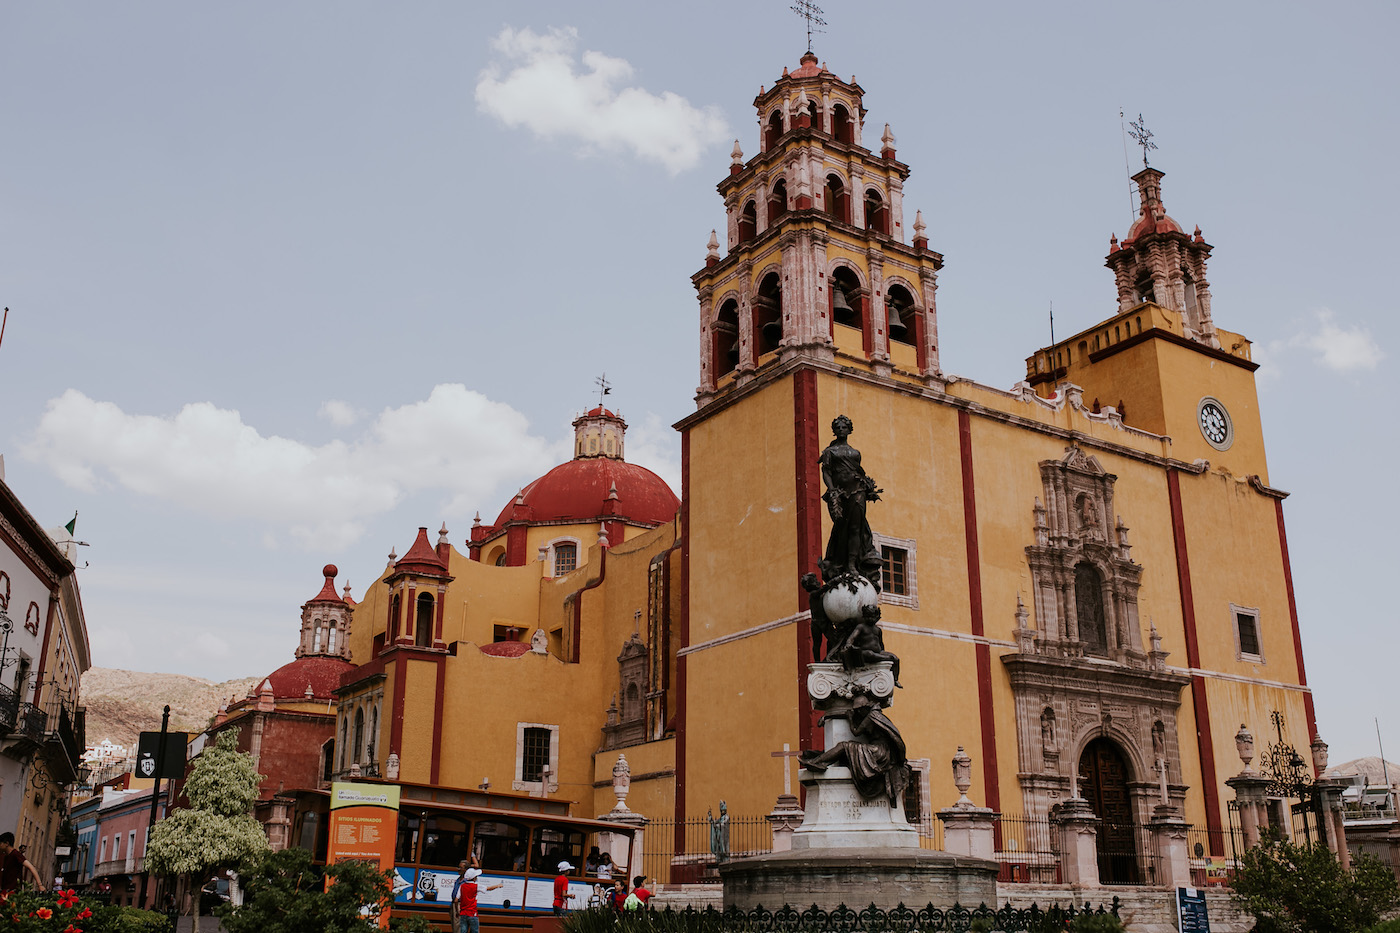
x,y
122,704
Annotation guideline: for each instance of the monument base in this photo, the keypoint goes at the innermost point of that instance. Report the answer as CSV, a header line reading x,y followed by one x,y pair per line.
x,y
858,877
838,817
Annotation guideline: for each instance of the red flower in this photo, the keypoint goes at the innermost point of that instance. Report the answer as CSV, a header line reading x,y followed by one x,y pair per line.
x,y
87,912
68,898
43,913
72,929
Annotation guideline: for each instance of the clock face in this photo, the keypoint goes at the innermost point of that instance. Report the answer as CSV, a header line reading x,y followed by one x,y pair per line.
x,y
1215,423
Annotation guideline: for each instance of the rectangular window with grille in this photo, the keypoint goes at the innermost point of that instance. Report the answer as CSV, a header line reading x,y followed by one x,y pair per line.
x,y
1247,634
892,574
565,558
535,754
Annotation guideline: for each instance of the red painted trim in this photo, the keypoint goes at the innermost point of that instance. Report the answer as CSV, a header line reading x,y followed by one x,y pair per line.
x,y
396,722
1293,615
44,652
1205,742
684,632
991,772
515,545
806,445
577,597
439,697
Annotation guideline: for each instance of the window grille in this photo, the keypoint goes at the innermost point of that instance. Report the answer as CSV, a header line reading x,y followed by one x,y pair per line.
x,y
534,755
565,558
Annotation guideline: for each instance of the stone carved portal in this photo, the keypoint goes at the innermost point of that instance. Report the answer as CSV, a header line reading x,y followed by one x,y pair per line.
x,y
1081,676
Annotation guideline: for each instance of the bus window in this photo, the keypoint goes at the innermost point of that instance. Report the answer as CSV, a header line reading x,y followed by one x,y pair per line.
x,y
444,839
554,844
499,846
407,848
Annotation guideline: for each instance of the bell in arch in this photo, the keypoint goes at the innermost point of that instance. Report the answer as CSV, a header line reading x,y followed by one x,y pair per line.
x,y
841,308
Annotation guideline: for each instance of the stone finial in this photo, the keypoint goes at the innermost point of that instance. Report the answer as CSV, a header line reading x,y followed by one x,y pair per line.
x,y
614,717
712,247
391,767
621,781
920,228
603,534
1319,754
346,591
309,692
544,553
539,642
962,776
736,155
442,535
887,138
393,555
476,522
1244,746
802,100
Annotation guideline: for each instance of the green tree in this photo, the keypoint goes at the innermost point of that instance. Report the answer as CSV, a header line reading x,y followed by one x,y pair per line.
x,y
284,893
218,830
1304,889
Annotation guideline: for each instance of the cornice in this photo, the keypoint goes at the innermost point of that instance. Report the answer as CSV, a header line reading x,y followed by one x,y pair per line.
x,y
1160,334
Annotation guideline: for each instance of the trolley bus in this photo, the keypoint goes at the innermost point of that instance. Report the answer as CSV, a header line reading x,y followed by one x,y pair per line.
x,y
518,842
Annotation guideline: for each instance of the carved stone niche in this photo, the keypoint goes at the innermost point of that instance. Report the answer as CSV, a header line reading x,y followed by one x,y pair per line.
x,y
629,725
1084,581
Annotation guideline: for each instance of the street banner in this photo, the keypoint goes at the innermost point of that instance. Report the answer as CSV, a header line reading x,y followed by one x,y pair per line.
x,y
1191,911
364,825
172,765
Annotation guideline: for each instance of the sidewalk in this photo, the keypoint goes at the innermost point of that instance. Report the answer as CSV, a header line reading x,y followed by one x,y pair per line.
x,y
206,925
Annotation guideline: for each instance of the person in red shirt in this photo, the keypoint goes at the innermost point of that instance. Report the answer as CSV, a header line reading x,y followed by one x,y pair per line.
x,y
13,865
618,894
642,893
561,889
466,901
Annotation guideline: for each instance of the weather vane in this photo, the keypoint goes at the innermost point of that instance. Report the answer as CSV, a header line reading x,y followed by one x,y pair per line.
x,y
604,387
812,14
1144,138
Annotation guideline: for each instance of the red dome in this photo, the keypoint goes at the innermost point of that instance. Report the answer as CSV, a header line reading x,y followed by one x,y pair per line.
x,y
600,411
506,649
323,674
578,489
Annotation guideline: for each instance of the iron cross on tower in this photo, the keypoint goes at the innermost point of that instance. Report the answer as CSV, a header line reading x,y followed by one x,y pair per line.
x,y
604,387
1144,138
812,14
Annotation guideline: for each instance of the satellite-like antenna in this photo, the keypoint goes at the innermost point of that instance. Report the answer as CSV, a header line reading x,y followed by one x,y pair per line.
x,y
812,14
604,388
1144,138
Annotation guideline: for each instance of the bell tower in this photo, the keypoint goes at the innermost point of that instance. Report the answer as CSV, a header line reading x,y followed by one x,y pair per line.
x,y
816,264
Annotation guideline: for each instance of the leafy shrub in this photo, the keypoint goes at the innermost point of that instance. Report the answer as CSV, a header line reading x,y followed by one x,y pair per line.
x,y
1292,888
1096,923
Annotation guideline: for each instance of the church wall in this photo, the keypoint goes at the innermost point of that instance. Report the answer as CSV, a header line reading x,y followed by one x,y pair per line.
x,y
1189,375
653,792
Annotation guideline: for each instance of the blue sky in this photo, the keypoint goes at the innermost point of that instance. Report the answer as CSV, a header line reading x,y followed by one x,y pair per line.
x,y
287,281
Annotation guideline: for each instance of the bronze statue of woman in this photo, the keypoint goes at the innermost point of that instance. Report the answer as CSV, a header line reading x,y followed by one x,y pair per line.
x,y
851,547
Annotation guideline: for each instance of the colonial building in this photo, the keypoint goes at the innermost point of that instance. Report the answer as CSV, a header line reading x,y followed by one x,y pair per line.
x,y
43,653
1086,575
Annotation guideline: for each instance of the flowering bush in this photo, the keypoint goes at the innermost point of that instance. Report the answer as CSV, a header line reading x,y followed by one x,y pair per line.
x,y
30,911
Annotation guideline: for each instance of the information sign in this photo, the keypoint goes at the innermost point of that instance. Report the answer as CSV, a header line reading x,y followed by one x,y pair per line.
x,y
1191,911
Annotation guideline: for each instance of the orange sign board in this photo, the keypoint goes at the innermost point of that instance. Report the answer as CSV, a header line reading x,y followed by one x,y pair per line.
x,y
364,824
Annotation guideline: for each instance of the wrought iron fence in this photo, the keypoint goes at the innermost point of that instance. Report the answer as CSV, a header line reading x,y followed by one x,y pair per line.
x,y
842,919
32,721
9,709
1214,854
683,852
1027,850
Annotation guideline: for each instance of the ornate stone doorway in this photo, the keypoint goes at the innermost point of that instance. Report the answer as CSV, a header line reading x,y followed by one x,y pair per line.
x,y
1103,782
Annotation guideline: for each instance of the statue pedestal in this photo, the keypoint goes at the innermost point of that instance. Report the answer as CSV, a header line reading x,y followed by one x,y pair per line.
x,y
838,817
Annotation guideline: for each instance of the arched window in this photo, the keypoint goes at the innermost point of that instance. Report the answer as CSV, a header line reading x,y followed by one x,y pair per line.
x,y
725,336
846,301
373,731
565,557
748,222
768,315
1145,290
900,315
344,744
777,202
359,734
838,201
841,125
423,629
316,636
395,618
876,217
1088,600
815,113
501,559
330,638
328,759
774,130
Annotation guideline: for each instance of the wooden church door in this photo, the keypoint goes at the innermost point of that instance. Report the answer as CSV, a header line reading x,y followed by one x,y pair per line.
x,y
1103,782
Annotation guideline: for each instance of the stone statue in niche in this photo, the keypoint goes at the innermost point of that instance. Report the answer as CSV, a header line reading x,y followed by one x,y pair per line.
x,y
1088,515
875,756
1047,731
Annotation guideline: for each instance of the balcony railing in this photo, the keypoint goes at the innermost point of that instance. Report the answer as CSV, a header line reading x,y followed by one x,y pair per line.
x,y
32,721
9,709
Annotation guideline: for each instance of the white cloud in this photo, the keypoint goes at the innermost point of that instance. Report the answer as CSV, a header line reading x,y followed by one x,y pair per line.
x,y
656,445
1343,349
341,414
205,459
536,82
1340,348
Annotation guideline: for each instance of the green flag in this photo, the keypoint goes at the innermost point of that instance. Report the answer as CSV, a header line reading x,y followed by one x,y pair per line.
x,y
72,525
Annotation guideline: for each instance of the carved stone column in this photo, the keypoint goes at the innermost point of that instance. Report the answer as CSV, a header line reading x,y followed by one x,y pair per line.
x,y
1252,798
786,817
967,828
1077,827
1330,792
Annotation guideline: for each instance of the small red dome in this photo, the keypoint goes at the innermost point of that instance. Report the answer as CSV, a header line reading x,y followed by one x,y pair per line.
x,y
328,593
506,649
576,491
600,411
323,674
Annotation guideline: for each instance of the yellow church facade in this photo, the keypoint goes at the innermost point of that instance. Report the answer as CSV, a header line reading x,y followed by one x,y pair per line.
x,y
1086,576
